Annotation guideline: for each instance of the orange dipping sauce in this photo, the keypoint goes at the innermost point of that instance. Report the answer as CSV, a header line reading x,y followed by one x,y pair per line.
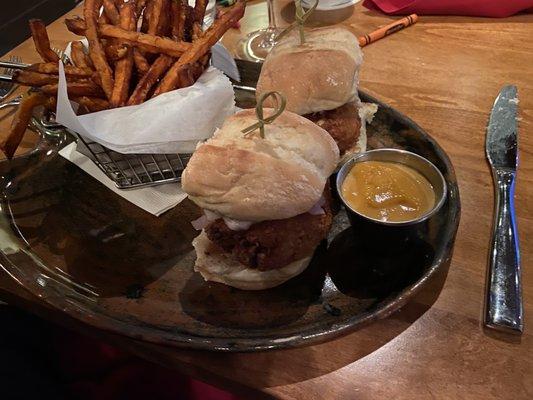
x,y
388,191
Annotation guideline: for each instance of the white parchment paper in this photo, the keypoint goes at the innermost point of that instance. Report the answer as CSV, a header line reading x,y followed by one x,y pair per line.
x,y
173,122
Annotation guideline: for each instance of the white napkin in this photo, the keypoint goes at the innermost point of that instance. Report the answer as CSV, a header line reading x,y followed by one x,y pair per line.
x,y
155,200
173,122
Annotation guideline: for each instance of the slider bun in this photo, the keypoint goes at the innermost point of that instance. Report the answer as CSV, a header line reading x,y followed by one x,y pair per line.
x,y
322,74
215,265
257,179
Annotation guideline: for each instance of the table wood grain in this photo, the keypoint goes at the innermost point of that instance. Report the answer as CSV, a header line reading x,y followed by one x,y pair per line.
x,y
444,73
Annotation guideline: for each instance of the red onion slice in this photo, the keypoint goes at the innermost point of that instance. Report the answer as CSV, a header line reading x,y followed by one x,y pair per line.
x,y
317,208
200,223
211,215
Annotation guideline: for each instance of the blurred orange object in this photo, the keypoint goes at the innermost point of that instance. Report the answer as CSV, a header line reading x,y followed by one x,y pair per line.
x,y
387,30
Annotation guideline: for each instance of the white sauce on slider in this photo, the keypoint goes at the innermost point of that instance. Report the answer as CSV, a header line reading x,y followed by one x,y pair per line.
x,y
237,225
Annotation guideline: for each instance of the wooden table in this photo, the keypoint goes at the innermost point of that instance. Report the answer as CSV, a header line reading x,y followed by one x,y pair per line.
x,y
444,73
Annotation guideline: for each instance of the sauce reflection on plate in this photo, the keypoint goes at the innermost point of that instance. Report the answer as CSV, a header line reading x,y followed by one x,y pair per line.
x,y
388,191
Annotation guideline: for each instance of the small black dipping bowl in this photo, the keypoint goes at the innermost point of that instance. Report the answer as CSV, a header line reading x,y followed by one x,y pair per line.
x,y
390,235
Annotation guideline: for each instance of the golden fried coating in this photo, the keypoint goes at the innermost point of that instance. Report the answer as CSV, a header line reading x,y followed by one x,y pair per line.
x,y
273,244
342,123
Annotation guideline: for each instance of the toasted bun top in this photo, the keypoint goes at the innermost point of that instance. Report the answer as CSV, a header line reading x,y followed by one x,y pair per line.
x,y
256,179
321,74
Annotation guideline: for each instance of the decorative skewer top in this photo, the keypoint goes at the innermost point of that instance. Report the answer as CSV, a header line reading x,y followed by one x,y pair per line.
x,y
299,21
261,120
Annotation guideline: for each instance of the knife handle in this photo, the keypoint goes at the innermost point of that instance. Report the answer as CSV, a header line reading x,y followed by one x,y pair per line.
x,y
503,306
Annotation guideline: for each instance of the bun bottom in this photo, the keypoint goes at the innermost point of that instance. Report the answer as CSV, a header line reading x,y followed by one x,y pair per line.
x,y
215,265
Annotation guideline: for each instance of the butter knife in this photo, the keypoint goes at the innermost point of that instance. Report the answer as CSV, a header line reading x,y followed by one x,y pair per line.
x,y
503,305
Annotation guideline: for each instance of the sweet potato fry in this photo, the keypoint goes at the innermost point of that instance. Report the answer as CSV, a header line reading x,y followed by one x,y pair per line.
x,y
150,43
144,41
199,14
177,19
141,63
96,79
78,56
115,51
199,11
190,73
20,122
154,17
111,12
163,28
185,76
204,61
146,16
139,7
53,68
196,31
41,40
157,69
76,25
158,18
123,67
88,88
96,51
198,71
199,68
188,24
102,19
202,46
30,78
51,103
92,104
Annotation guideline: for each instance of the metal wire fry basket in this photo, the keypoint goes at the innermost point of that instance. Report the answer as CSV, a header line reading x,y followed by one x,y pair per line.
x,y
127,171
130,171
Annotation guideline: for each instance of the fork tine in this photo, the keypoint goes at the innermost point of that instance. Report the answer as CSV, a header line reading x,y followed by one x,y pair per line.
x,y
15,59
13,102
9,71
61,54
7,87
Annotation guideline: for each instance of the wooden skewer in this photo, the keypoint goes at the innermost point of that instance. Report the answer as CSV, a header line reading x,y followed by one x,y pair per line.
x,y
387,30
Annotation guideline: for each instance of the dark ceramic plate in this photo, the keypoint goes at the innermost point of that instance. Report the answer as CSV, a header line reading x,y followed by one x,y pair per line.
x,y
76,245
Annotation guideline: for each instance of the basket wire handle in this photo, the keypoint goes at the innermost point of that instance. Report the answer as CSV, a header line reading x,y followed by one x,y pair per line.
x,y
299,21
281,102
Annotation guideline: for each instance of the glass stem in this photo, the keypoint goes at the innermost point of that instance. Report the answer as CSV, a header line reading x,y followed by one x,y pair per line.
x,y
271,15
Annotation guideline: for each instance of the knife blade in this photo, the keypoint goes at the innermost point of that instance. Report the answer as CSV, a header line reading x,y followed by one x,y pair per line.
x,y
501,144
503,304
